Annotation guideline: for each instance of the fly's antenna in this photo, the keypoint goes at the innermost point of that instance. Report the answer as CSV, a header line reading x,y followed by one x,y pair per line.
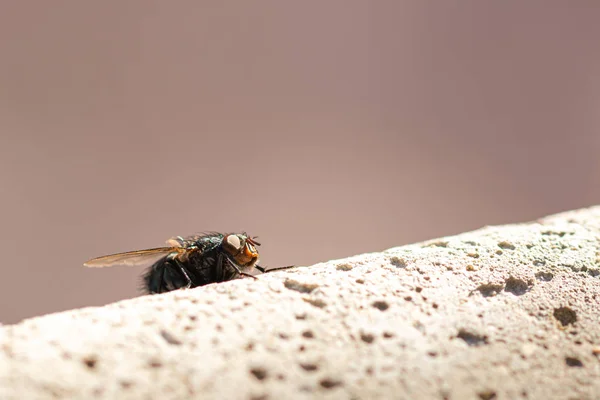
x,y
252,241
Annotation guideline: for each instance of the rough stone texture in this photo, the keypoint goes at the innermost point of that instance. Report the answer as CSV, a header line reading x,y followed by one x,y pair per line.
x,y
503,312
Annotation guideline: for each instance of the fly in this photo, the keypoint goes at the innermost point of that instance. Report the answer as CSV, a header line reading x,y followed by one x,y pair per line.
x,y
191,261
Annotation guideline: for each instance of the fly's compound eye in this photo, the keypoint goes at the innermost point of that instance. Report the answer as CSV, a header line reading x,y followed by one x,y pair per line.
x,y
234,242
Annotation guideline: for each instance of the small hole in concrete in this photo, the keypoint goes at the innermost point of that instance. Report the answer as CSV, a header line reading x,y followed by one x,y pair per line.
x,y
418,289
408,298
381,305
155,364
309,366
544,276
316,302
343,267
490,289
249,346
573,362
472,338
329,383
91,362
438,243
361,281
259,373
367,337
548,233
126,384
506,245
170,338
565,315
308,334
388,335
259,397
516,286
398,262
487,395
301,287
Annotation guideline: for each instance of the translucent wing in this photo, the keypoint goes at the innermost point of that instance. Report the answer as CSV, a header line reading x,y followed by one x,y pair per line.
x,y
176,241
133,258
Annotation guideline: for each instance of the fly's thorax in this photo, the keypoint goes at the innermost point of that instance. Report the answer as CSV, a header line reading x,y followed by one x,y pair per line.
x,y
241,248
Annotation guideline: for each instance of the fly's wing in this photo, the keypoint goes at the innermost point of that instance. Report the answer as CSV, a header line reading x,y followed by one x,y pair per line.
x,y
133,258
177,241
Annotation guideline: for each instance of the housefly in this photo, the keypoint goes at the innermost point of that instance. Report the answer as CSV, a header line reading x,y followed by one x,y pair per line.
x,y
191,261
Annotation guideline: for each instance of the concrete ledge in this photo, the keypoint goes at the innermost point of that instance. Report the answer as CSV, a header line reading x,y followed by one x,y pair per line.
x,y
504,312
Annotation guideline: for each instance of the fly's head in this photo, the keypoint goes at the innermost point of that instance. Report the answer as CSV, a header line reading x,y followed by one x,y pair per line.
x,y
241,248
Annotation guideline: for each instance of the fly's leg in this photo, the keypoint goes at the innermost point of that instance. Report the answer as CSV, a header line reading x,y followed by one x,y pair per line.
x,y
219,273
237,269
244,273
177,263
264,270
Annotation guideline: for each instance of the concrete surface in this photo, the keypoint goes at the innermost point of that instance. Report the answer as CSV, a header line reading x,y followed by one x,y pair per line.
x,y
504,312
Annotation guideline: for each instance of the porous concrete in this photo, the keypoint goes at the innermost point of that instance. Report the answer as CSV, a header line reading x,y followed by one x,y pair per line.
x,y
509,312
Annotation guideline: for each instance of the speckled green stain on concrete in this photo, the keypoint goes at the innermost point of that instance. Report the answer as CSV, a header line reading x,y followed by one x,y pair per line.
x,y
508,312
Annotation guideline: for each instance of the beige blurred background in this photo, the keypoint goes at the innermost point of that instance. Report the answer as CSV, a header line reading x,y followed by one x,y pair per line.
x,y
328,128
